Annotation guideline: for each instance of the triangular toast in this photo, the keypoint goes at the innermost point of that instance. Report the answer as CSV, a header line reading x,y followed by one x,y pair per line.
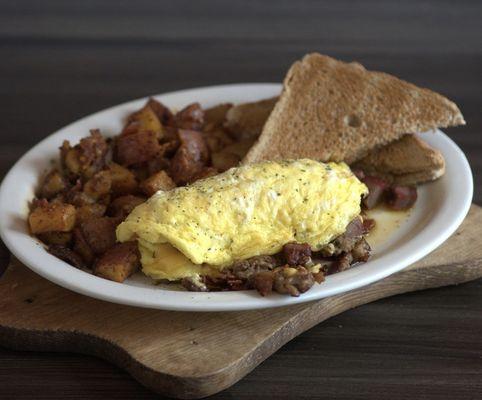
x,y
330,110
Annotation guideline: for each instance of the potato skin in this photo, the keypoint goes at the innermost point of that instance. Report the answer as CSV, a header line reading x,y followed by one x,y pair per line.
x,y
123,181
159,181
136,148
119,262
52,217
99,233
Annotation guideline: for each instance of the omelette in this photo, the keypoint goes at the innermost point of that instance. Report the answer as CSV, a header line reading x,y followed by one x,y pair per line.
x,y
248,211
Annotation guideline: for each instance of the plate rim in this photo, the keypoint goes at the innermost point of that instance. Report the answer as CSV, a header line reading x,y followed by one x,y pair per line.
x,y
158,298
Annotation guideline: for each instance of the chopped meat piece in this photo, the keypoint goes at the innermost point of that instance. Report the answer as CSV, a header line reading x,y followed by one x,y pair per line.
x,y
246,269
99,233
263,282
119,262
136,148
123,206
293,281
190,157
401,197
355,228
190,117
376,190
194,284
163,113
158,181
52,217
82,248
297,253
53,184
361,251
66,254
368,224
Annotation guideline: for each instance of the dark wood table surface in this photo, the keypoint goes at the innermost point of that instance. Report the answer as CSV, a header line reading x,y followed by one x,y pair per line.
x,y
63,60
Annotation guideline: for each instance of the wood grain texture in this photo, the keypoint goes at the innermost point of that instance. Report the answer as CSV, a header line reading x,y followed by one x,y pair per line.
x,y
63,60
193,355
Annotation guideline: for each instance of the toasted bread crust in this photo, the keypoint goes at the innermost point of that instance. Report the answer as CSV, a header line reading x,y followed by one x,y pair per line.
x,y
246,121
406,161
335,111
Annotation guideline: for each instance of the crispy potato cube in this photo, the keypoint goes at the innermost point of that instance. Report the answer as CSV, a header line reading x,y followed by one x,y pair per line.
x,y
146,120
163,113
99,185
90,210
57,238
53,184
99,233
72,161
159,181
119,262
215,116
122,206
240,148
52,217
123,181
217,140
136,148
224,160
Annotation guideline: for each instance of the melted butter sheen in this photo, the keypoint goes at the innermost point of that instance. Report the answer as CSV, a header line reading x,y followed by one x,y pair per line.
x,y
244,212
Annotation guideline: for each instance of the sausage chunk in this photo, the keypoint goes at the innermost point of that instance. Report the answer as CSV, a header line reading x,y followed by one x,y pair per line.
x,y
297,253
190,158
136,148
190,117
99,233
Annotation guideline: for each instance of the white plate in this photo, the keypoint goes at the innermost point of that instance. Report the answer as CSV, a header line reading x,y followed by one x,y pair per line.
x,y
440,209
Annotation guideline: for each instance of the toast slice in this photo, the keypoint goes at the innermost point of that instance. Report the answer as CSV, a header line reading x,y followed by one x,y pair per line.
x,y
406,161
330,110
245,121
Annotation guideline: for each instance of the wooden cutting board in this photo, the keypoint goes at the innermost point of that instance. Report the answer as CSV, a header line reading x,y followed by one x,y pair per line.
x,y
193,355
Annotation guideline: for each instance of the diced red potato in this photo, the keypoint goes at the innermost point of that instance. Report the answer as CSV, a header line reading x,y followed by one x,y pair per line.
x,y
190,157
401,197
123,206
123,181
136,148
190,117
159,162
145,120
88,211
119,262
159,181
99,233
87,157
162,112
52,217
99,185
53,184
214,117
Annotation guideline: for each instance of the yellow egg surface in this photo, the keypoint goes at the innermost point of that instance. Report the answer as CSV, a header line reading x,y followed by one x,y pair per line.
x,y
246,211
